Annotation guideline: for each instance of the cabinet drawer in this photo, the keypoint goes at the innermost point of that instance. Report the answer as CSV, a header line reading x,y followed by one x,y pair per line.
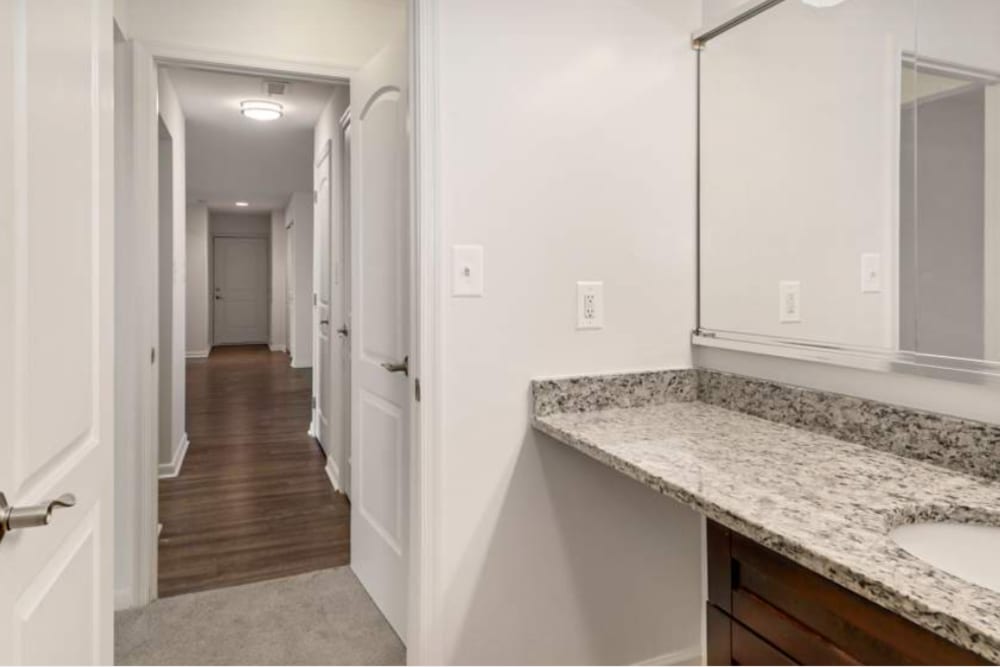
x,y
808,618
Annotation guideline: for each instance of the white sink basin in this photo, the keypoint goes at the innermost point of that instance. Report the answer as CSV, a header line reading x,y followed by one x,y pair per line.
x,y
968,551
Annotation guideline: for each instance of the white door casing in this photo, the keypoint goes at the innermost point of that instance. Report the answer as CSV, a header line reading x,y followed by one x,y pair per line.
x,y
380,284
342,307
56,328
290,288
240,285
322,371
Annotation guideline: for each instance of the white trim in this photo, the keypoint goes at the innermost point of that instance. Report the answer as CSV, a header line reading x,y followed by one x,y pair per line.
x,y
991,242
687,656
277,348
198,354
145,166
333,474
173,468
123,599
166,53
424,642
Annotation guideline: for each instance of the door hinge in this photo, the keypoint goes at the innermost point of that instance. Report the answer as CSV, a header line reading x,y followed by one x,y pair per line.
x,y
315,196
152,355
315,300
313,402
416,389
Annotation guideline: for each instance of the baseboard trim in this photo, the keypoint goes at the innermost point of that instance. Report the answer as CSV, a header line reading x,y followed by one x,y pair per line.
x,y
333,474
198,354
685,656
173,469
277,348
123,598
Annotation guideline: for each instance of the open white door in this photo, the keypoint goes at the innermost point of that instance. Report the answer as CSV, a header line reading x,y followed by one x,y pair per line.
x,y
322,372
380,387
56,328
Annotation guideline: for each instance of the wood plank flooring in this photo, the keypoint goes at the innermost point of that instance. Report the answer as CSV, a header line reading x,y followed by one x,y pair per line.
x,y
252,501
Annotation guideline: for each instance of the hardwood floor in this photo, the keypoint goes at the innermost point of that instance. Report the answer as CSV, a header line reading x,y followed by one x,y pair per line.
x,y
252,501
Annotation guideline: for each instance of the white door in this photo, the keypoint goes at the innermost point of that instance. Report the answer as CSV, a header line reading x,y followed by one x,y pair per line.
x,y
240,285
322,372
380,391
56,325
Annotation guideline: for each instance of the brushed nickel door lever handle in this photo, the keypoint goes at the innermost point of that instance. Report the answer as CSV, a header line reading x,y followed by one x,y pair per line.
x,y
18,518
403,367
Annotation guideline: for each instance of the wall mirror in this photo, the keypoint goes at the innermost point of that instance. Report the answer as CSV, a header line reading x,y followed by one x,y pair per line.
x,y
849,197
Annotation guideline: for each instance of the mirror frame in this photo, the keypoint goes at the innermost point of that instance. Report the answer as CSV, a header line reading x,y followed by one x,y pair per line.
x,y
957,369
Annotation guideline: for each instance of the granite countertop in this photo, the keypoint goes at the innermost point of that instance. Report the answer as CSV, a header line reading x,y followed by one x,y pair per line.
x,y
825,503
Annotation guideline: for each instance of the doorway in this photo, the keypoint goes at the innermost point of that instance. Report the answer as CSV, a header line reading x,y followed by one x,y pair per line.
x,y
272,434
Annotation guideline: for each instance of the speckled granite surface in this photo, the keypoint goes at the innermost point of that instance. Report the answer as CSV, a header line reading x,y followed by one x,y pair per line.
x,y
623,390
825,503
963,445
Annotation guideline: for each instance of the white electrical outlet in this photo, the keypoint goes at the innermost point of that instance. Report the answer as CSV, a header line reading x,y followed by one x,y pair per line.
x,y
590,305
789,301
871,273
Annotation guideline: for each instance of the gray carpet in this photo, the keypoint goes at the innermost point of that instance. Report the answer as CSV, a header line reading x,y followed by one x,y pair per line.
x,y
319,618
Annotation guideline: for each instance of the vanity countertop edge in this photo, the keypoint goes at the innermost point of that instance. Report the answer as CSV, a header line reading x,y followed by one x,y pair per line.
x,y
825,503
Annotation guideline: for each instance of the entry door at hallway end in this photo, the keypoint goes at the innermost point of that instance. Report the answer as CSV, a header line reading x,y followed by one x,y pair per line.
x,y
380,346
240,285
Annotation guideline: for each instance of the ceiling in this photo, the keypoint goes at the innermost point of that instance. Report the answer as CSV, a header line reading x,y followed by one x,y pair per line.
x,y
231,158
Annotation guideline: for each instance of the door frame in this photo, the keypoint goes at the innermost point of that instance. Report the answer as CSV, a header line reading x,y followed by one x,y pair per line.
x,y
426,283
213,237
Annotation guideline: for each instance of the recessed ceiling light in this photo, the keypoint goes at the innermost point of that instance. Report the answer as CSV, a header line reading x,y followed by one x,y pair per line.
x,y
261,109
242,203
822,3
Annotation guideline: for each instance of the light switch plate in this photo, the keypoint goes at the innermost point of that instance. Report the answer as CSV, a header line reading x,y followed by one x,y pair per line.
x,y
589,305
789,301
871,273
467,270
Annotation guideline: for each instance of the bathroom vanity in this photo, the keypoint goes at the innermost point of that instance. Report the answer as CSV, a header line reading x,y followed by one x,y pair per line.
x,y
802,492
764,609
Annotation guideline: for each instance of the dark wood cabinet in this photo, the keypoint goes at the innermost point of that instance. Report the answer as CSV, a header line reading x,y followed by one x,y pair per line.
x,y
763,609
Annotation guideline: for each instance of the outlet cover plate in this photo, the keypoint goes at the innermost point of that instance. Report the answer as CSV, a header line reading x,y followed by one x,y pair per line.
x,y
789,301
589,305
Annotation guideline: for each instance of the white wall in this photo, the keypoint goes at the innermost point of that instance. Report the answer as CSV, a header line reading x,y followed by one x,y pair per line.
x,y
279,313
569,154
173,117
300,278
328,129
344,33
198,306
714,10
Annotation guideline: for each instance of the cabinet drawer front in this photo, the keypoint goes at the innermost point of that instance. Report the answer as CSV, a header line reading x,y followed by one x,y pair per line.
x,y
798,641
810,618
749,649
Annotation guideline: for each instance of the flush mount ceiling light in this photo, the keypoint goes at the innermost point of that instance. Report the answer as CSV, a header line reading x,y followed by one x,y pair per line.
x,y
261,109
242,203
822,3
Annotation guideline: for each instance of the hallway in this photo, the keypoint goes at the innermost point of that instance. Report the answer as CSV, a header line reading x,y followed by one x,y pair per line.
x,y
252,501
